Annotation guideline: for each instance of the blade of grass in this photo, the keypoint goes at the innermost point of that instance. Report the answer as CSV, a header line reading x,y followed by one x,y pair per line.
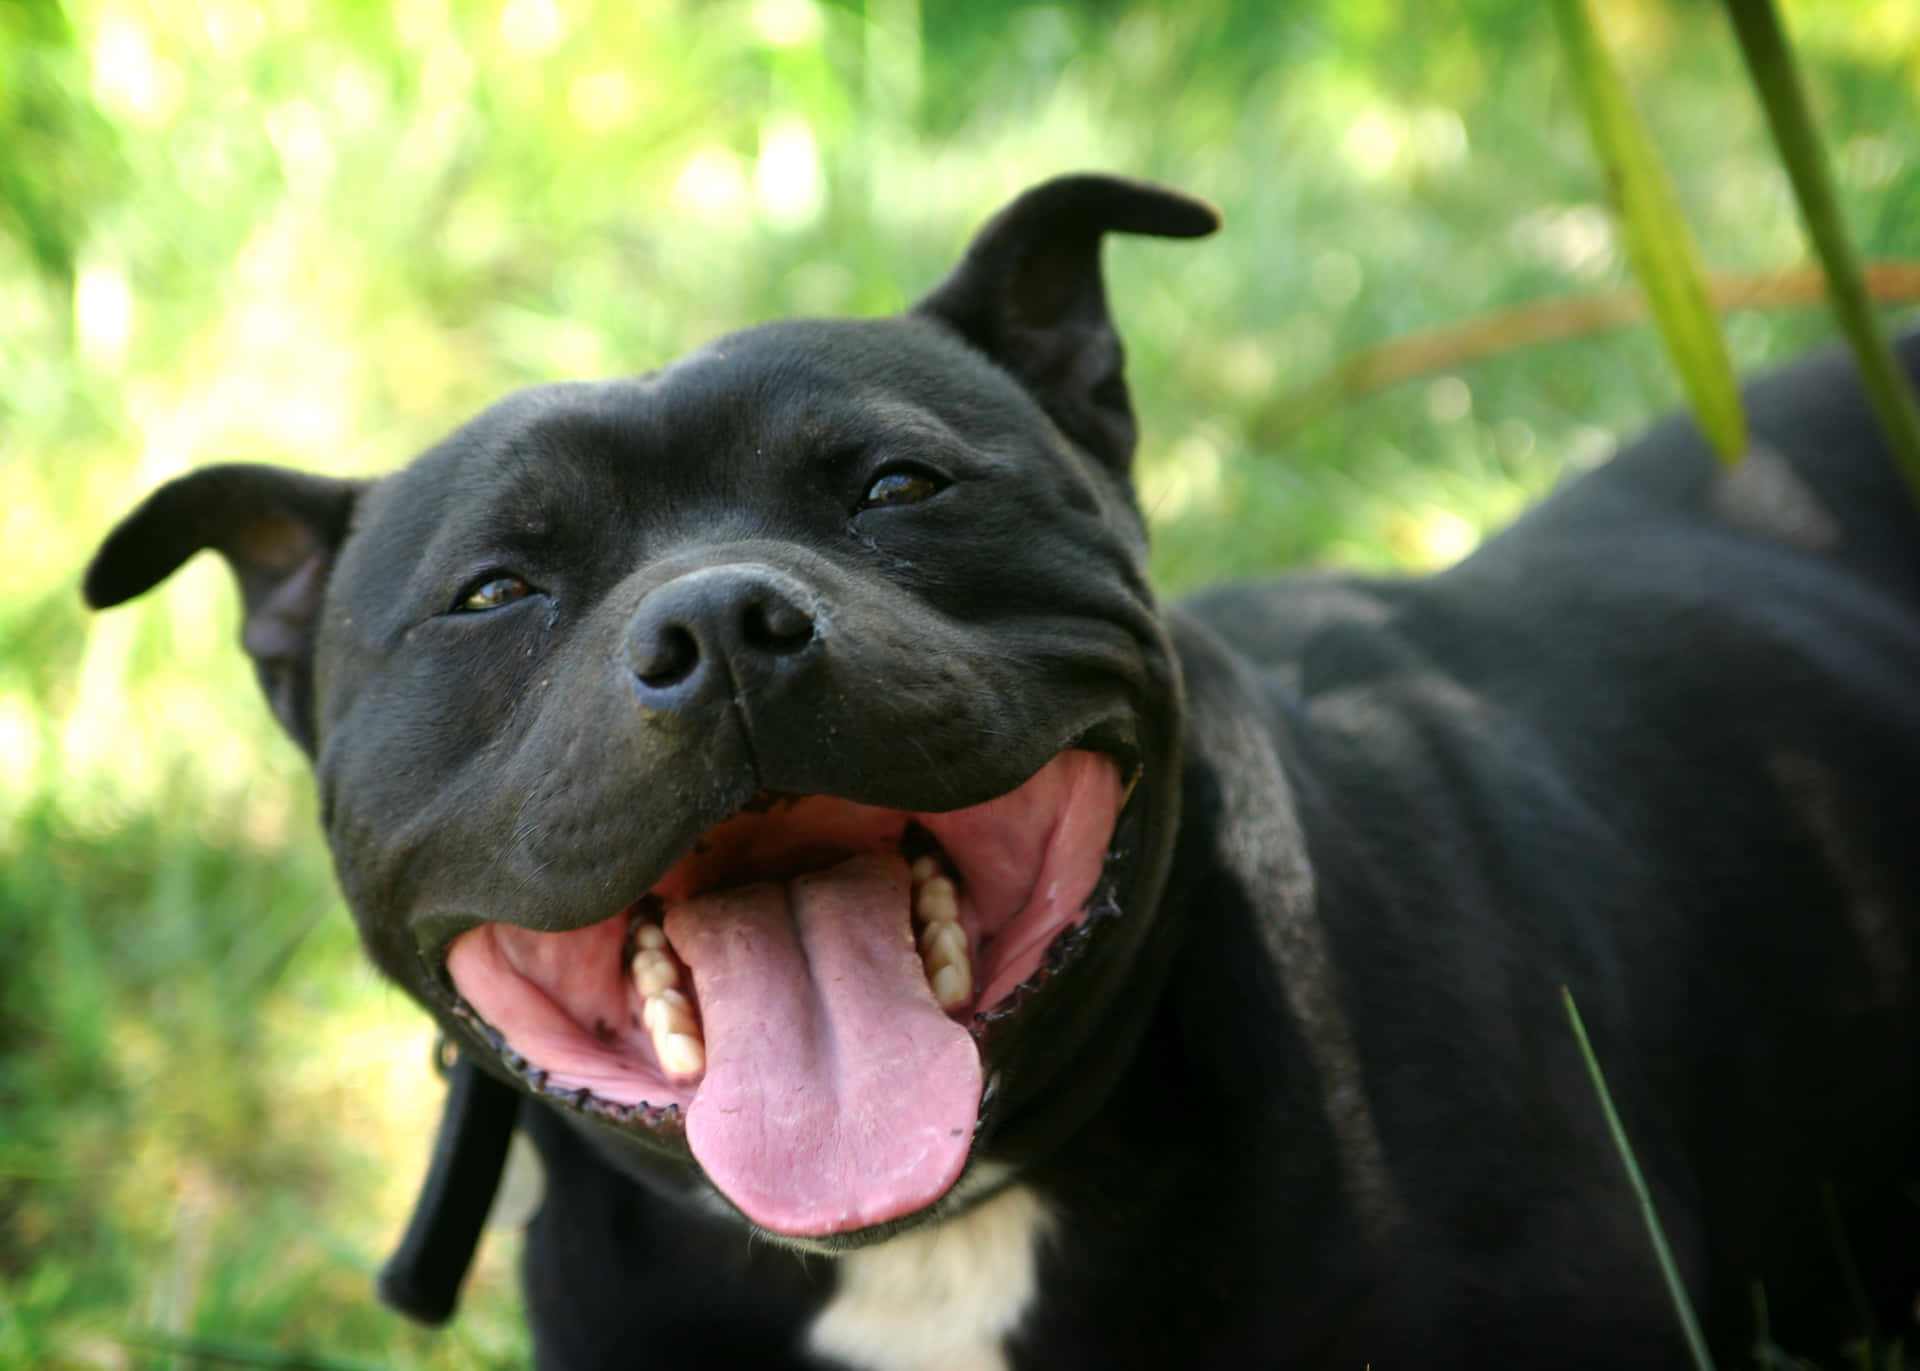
x,y
1777,79
223,1352
1682,1305
1659,246
1764,1352
1850,1272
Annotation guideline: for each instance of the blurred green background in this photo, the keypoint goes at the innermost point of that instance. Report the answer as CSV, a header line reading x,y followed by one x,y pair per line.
x,y
322,234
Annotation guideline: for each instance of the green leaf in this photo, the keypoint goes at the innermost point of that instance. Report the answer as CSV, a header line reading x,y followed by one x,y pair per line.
x,y
1659,246
1770,62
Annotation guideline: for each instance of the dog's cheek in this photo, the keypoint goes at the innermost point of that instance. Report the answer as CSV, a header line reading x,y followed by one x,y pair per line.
x,y
448,690
390,772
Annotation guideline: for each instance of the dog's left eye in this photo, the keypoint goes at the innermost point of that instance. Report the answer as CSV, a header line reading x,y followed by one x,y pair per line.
x,y
901,486
492,593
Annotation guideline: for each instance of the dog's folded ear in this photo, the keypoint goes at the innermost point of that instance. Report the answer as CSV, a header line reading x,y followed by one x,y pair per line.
x,y
278,530
1029,295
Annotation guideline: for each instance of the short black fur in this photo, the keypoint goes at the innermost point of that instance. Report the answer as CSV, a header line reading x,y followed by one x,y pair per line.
x,y
1310,1098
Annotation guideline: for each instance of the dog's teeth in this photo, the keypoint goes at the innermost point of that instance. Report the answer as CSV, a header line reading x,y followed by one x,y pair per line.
x,y
675,1032
668,1012
936,901
952,985
943,952
942,944
654,970
681,1054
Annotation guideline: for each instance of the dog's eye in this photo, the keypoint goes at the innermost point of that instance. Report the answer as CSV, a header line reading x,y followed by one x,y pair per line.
x,y
901,486
492,593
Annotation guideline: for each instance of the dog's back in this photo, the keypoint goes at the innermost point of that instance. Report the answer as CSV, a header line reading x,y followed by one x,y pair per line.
x,y
1659,741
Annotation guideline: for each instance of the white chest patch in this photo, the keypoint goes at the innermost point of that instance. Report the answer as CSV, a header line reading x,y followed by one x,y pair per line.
x,y
938,1299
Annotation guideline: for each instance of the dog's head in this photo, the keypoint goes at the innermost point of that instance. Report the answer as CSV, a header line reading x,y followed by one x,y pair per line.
x,y
770,761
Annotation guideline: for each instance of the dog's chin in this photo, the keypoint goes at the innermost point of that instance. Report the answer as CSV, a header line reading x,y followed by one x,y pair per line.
x,y
811,1002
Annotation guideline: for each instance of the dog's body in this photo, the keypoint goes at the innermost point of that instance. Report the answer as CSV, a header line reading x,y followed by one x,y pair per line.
x,y
1291,1082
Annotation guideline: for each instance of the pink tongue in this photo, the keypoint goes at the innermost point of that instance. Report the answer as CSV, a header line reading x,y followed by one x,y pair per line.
x,y
837,1093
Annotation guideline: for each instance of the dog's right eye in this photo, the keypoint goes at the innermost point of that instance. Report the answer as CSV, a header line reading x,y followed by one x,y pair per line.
x,y
492,592
901,485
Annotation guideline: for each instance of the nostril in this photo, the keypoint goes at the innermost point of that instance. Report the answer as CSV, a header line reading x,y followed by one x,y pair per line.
x,y
772,623
717,629
668,658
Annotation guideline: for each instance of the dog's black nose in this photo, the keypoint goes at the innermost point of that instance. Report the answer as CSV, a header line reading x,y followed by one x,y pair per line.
x,y
718,629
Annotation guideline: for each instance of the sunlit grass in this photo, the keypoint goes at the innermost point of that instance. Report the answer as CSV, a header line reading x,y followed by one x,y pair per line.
x,y
323,236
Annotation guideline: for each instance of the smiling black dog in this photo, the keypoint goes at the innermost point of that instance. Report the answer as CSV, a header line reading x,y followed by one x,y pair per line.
x,y
917,948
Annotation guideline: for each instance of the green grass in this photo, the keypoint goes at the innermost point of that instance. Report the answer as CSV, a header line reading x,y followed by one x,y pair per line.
x,y
319,235
1684,1314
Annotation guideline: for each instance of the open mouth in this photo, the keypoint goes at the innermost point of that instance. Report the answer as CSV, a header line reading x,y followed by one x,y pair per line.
x,y
807,987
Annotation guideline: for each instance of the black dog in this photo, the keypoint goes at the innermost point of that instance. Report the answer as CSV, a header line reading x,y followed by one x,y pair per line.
x,y
919,948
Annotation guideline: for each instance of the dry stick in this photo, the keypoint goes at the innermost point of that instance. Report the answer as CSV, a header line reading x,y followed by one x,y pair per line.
x,y
1892,281
1770,64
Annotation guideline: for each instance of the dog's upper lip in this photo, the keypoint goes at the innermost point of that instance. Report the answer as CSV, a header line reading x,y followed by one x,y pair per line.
x,y
435,927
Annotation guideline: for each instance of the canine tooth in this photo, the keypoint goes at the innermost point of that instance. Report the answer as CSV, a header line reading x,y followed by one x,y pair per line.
x,y
654,971
650,936
937,902
681,1054
923,870
952,986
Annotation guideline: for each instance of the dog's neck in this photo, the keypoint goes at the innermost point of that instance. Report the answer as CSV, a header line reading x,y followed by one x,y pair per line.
x,y
1260,843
